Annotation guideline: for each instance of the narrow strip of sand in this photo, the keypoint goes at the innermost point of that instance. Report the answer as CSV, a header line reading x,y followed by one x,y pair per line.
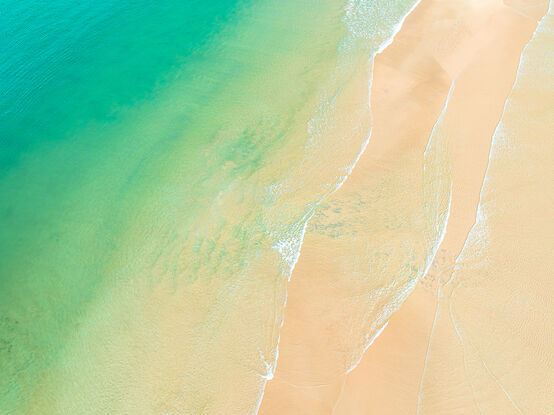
x,y
476,45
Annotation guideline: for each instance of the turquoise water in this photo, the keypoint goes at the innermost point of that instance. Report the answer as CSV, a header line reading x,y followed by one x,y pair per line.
x,y
65,64
158,164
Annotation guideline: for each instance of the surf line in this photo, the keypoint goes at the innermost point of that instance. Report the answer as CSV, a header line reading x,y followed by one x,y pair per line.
x,y
311,213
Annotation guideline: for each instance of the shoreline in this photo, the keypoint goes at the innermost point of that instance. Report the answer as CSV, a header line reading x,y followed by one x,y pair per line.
x,y
437,44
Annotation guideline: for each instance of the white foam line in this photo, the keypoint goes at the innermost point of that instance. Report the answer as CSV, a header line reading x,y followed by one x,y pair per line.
x,y
441,117
464,352
502,387
433,131
442,235
439,241
308,217
397,28
412,286
435,318
479,216
431,257
385,45
369,343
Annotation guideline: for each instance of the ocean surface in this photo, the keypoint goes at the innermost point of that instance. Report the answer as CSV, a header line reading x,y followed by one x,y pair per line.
x,y
159,163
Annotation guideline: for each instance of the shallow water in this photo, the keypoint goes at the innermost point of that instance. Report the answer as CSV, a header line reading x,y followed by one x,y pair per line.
x,y
159,163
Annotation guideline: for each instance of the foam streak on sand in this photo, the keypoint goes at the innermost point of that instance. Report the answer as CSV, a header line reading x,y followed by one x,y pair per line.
x,y
290,248
426,129
361,273
435,157
397,28
479,216
162,168
474,327
492,265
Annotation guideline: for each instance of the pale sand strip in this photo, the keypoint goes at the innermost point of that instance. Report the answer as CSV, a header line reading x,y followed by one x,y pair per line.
x,y
479,44
498,303
388,379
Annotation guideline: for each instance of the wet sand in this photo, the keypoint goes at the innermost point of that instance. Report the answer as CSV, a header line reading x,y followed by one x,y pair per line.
x,y
471,49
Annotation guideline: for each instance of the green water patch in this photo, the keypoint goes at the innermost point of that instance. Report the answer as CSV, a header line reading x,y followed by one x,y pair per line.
x,y
205,174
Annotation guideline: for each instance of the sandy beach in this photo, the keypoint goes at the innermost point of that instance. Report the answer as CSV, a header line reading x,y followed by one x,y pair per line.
x,y
277,207
472,50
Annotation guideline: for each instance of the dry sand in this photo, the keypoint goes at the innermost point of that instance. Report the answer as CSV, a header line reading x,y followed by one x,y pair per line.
x,y
476,45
